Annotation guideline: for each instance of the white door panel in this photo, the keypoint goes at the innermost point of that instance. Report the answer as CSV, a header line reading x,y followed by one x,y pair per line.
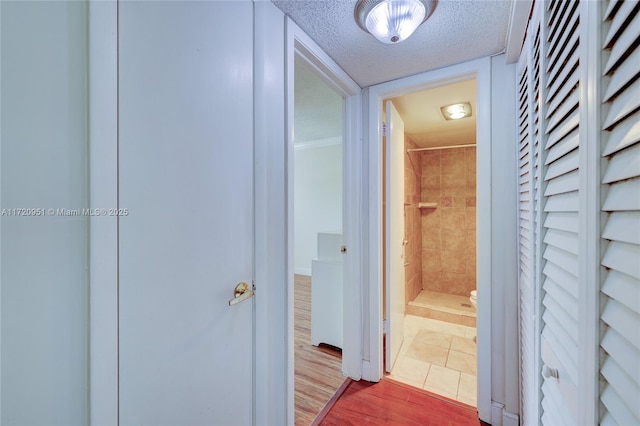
x,y
185,176
395,235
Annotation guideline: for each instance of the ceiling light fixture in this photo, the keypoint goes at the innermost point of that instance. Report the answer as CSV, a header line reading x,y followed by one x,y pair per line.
x,y
392,21
456,111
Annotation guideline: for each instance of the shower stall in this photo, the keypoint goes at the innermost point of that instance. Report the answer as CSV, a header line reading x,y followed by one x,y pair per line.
x,y
440,232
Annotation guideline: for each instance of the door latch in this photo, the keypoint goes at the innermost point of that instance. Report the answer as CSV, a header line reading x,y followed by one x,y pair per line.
x,y
242,292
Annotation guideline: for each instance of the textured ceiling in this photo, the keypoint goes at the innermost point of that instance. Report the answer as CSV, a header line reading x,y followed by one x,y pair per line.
x,y
423,120
318,112
457,31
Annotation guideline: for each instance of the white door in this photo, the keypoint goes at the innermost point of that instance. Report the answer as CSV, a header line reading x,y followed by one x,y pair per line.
x,y
186,180
395,235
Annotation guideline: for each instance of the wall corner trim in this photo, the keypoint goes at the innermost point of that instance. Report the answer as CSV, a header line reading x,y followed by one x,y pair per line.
x,y
518,24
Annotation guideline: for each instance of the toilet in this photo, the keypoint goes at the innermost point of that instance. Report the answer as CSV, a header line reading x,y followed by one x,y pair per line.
x,y
474,301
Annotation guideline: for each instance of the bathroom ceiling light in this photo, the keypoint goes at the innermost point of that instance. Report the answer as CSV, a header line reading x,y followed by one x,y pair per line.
x,y
456,111
392,21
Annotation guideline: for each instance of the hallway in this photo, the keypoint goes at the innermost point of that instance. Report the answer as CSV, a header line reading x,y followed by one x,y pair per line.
x,y
389,402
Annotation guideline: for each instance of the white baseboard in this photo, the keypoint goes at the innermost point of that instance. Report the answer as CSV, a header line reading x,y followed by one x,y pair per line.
x,y
302,271
510,419
501,417
496,413
366,371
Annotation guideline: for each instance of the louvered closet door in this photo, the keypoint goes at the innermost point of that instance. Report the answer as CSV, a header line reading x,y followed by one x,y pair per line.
x,y
529,167
526,253
620,290
560,278
525,278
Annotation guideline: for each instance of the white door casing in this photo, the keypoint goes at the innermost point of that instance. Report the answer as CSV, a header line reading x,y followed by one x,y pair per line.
x,y
186,180
395,240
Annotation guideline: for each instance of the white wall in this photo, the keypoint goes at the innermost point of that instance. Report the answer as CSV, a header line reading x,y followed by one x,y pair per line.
x,y
504,273
317,199
44,285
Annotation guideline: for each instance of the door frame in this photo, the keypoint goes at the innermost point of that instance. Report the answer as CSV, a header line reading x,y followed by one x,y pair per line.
x,y
479,69
103,192
394,211
299,44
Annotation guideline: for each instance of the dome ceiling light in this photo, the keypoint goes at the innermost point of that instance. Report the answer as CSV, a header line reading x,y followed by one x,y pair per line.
x,y
392,21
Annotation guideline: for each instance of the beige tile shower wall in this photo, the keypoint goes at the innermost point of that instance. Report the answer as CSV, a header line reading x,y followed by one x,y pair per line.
x,y
412,222
449,230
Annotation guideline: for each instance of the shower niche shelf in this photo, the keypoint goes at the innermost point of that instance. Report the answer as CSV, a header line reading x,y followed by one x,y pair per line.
x,y
427,205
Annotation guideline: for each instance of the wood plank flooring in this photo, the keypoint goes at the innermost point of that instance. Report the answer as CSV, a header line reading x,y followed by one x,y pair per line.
x,y
318,370
393,403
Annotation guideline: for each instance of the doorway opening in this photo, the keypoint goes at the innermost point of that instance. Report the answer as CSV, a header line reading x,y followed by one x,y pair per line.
x,y
338,161
318,237
429,297
480,71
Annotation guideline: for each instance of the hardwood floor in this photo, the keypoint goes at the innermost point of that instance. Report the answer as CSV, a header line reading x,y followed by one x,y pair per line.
x,y
318,370
393,403
318,376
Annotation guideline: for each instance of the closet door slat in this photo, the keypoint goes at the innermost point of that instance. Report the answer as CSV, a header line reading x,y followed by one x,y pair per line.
x,y
623,135
623,196
562,221
561,79
628,37
567,182
623,165
624,227
567,134
622,105
623,76
569,163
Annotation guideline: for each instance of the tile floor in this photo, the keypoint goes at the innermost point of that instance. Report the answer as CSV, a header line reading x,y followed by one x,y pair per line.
x,y
440,357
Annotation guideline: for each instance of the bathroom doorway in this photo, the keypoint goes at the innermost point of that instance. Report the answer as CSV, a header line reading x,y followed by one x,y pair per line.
x,y
430,240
